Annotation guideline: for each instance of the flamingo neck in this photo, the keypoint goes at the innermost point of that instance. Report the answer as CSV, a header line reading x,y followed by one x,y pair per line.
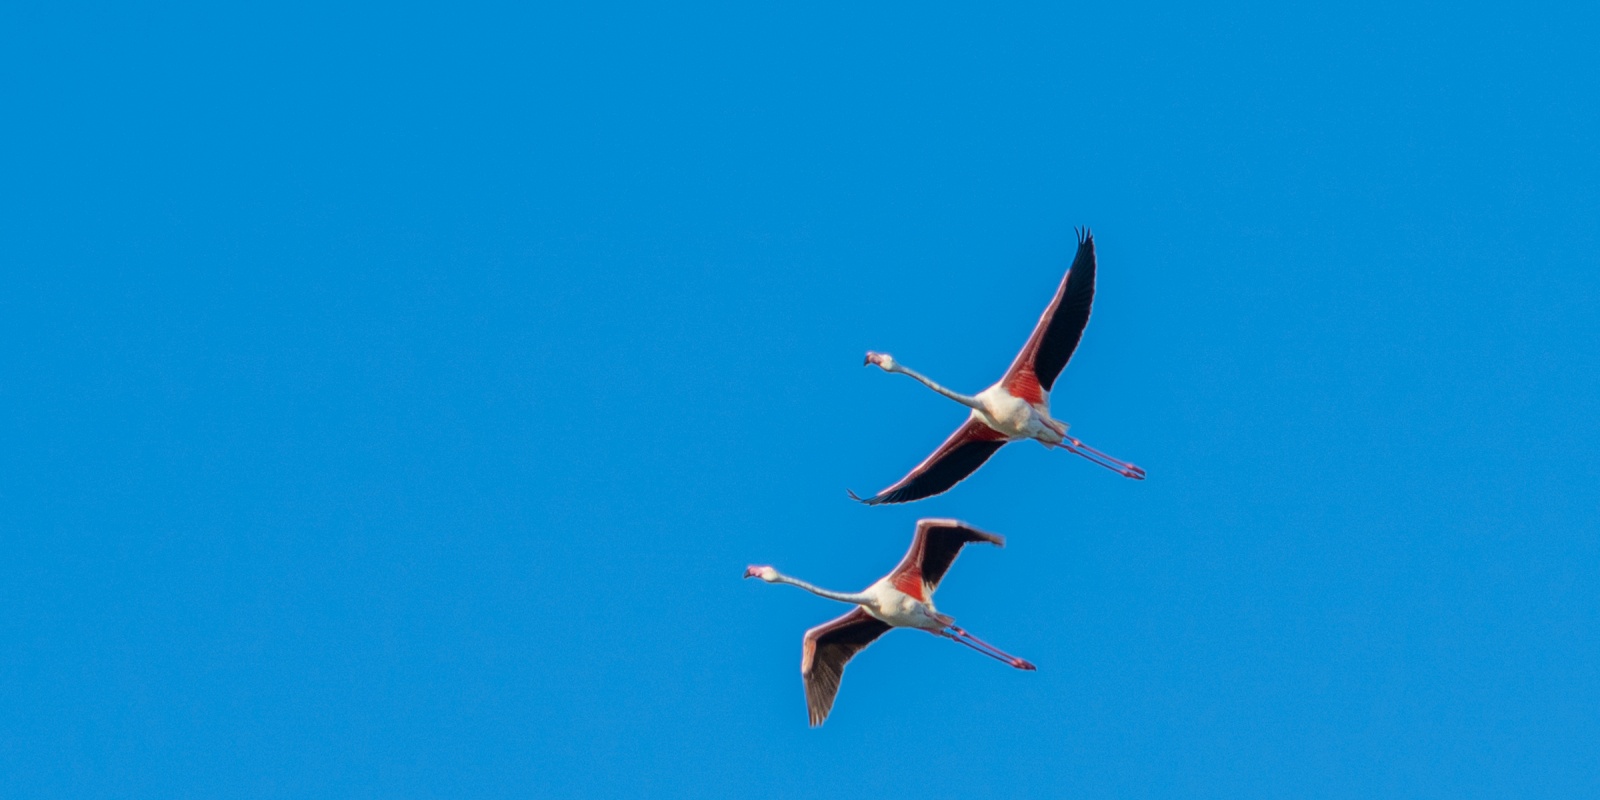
x,y
856,598
970,402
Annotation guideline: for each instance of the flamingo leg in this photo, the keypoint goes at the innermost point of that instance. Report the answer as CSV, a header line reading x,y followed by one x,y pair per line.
x,y
1099,458
960,635
967,643
1095,461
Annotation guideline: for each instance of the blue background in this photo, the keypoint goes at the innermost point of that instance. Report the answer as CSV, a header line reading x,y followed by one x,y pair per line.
x,y
392,396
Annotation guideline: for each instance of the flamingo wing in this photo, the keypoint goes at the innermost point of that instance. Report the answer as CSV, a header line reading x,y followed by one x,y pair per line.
x,y
935,546
827,648
958,457
1056,336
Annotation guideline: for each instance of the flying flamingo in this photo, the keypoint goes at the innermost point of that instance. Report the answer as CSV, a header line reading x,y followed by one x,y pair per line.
x,y
1016,408
901,599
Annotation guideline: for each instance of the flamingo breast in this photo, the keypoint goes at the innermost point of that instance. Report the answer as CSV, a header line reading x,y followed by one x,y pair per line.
x,y
902,610
1007,413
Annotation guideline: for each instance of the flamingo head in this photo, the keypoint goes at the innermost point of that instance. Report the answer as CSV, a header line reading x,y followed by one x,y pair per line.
x,y
884,361
767,574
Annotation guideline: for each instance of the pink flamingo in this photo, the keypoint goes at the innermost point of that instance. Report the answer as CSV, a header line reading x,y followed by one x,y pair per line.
x,y
1016,408
901,599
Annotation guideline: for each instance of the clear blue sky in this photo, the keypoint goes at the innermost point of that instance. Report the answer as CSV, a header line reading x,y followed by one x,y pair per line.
x,y
391,398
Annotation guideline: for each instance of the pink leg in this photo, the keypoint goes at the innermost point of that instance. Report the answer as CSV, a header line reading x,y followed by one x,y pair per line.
x,y
1096,457
967,643
960,635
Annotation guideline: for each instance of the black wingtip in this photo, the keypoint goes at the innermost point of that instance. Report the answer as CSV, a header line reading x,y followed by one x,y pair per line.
x,y
866,501
1085,236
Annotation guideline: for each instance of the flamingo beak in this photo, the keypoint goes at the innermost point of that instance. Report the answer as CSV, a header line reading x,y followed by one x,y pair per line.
x,y
752,572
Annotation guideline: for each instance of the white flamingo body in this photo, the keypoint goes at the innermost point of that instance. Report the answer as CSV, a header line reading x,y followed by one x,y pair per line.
x,y
901,610
1017,407
1017,418
901,599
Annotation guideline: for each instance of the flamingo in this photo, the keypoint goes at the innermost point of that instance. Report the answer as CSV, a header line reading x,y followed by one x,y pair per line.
x,y
1018,406
901,599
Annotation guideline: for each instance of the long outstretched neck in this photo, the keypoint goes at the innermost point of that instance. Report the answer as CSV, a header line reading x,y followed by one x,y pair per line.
x,y
843,597
970,402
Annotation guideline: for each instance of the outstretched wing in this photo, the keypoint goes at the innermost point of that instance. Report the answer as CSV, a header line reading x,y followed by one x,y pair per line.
x,y
1050,346
827,648
935,546
958,457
